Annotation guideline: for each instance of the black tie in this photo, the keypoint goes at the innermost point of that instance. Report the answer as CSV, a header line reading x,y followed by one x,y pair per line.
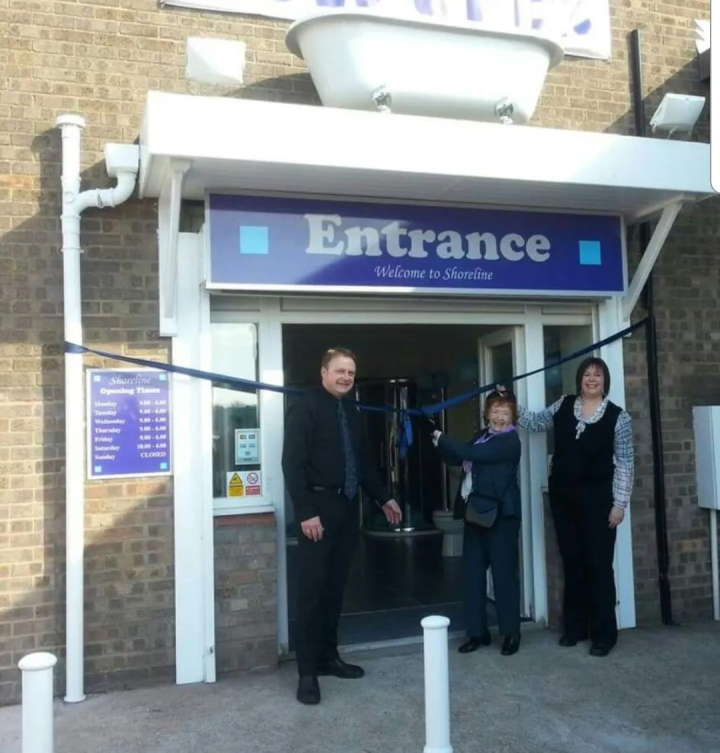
x,y
351,483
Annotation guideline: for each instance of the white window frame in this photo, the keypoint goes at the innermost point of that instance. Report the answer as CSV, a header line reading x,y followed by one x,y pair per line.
x,y
263,502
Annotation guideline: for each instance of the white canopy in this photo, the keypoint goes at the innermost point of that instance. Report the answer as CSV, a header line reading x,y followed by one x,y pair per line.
x,y
192,144
256,146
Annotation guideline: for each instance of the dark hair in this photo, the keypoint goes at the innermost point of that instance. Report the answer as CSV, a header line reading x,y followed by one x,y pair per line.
x,y
587,364
334,353
501,398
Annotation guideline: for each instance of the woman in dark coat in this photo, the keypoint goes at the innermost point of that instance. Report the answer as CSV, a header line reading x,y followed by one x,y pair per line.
x,y
489,502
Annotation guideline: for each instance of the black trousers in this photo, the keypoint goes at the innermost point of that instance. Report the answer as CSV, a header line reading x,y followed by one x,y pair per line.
x,y
322,569
496,548
587,548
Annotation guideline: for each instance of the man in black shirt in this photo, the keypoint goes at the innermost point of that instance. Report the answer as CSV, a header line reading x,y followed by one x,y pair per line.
x,y
325,459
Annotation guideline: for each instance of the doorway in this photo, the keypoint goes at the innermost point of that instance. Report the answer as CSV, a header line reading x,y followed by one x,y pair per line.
x,y
258,338
242,335
400,575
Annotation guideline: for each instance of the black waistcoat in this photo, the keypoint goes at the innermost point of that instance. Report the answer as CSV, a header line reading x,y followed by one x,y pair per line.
x,y
589,459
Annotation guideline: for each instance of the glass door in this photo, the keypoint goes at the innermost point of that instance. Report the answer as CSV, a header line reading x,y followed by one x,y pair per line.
x,y
501,355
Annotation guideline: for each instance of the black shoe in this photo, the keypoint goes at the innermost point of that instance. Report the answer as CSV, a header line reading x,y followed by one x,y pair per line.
x,y
511,645
338,668
600,649
474,643
568,641
308,691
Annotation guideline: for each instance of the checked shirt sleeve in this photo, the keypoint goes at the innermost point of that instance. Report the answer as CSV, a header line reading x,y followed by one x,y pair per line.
x,y
624,475
540,421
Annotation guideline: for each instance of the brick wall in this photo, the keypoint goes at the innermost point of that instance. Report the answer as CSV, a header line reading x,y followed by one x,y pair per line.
x,y
245,592
129,537
597,96
688,323
98,58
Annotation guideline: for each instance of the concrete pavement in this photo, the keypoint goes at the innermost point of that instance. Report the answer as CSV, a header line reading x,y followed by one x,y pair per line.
x,y
658,692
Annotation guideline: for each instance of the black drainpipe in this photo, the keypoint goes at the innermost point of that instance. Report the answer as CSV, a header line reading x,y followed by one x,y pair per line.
x,y
661,532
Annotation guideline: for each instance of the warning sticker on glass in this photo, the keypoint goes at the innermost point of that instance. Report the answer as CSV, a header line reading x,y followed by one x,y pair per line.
x,y
244,484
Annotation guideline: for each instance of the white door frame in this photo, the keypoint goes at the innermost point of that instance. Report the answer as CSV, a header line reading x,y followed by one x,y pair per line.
x,y
530,319
192,482
608,321
516,337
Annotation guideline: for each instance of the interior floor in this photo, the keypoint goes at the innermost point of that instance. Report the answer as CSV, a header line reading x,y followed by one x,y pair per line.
x,y
393,584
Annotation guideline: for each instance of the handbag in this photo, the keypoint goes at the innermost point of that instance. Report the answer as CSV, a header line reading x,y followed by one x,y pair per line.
x,y
481,511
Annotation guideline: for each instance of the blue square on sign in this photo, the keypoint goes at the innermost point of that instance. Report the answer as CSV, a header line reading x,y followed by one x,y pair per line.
x,y
254,239
98,469
163,466
590,253
97,378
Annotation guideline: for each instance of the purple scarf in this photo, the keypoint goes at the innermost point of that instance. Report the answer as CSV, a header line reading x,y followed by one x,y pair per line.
x,y
485,437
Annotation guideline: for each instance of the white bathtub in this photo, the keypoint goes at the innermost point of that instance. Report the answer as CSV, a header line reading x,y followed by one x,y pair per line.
x,y
356,59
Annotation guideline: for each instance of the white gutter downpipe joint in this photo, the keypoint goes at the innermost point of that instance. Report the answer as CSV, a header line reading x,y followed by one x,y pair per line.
x,y
122,162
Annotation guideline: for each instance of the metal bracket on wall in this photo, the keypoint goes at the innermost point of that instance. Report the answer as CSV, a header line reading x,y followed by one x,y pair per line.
x,y
168,229
650,256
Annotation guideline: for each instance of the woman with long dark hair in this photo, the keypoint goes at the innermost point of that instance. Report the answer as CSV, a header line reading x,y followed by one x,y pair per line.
x,y
590,485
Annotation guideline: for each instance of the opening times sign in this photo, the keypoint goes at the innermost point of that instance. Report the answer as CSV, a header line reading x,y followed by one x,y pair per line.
x,y
128,423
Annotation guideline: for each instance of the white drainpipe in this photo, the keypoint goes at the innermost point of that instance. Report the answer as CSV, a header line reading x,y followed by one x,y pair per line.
x,y
73,204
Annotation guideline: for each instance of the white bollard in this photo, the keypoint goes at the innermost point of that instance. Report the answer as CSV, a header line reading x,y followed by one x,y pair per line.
x,y
437,685
37,703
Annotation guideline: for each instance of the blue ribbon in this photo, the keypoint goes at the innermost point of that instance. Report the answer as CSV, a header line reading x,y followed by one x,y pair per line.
x,y
405,438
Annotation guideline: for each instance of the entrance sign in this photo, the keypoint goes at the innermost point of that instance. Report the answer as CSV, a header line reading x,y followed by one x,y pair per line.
x,y
128,423
268,243
581,26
